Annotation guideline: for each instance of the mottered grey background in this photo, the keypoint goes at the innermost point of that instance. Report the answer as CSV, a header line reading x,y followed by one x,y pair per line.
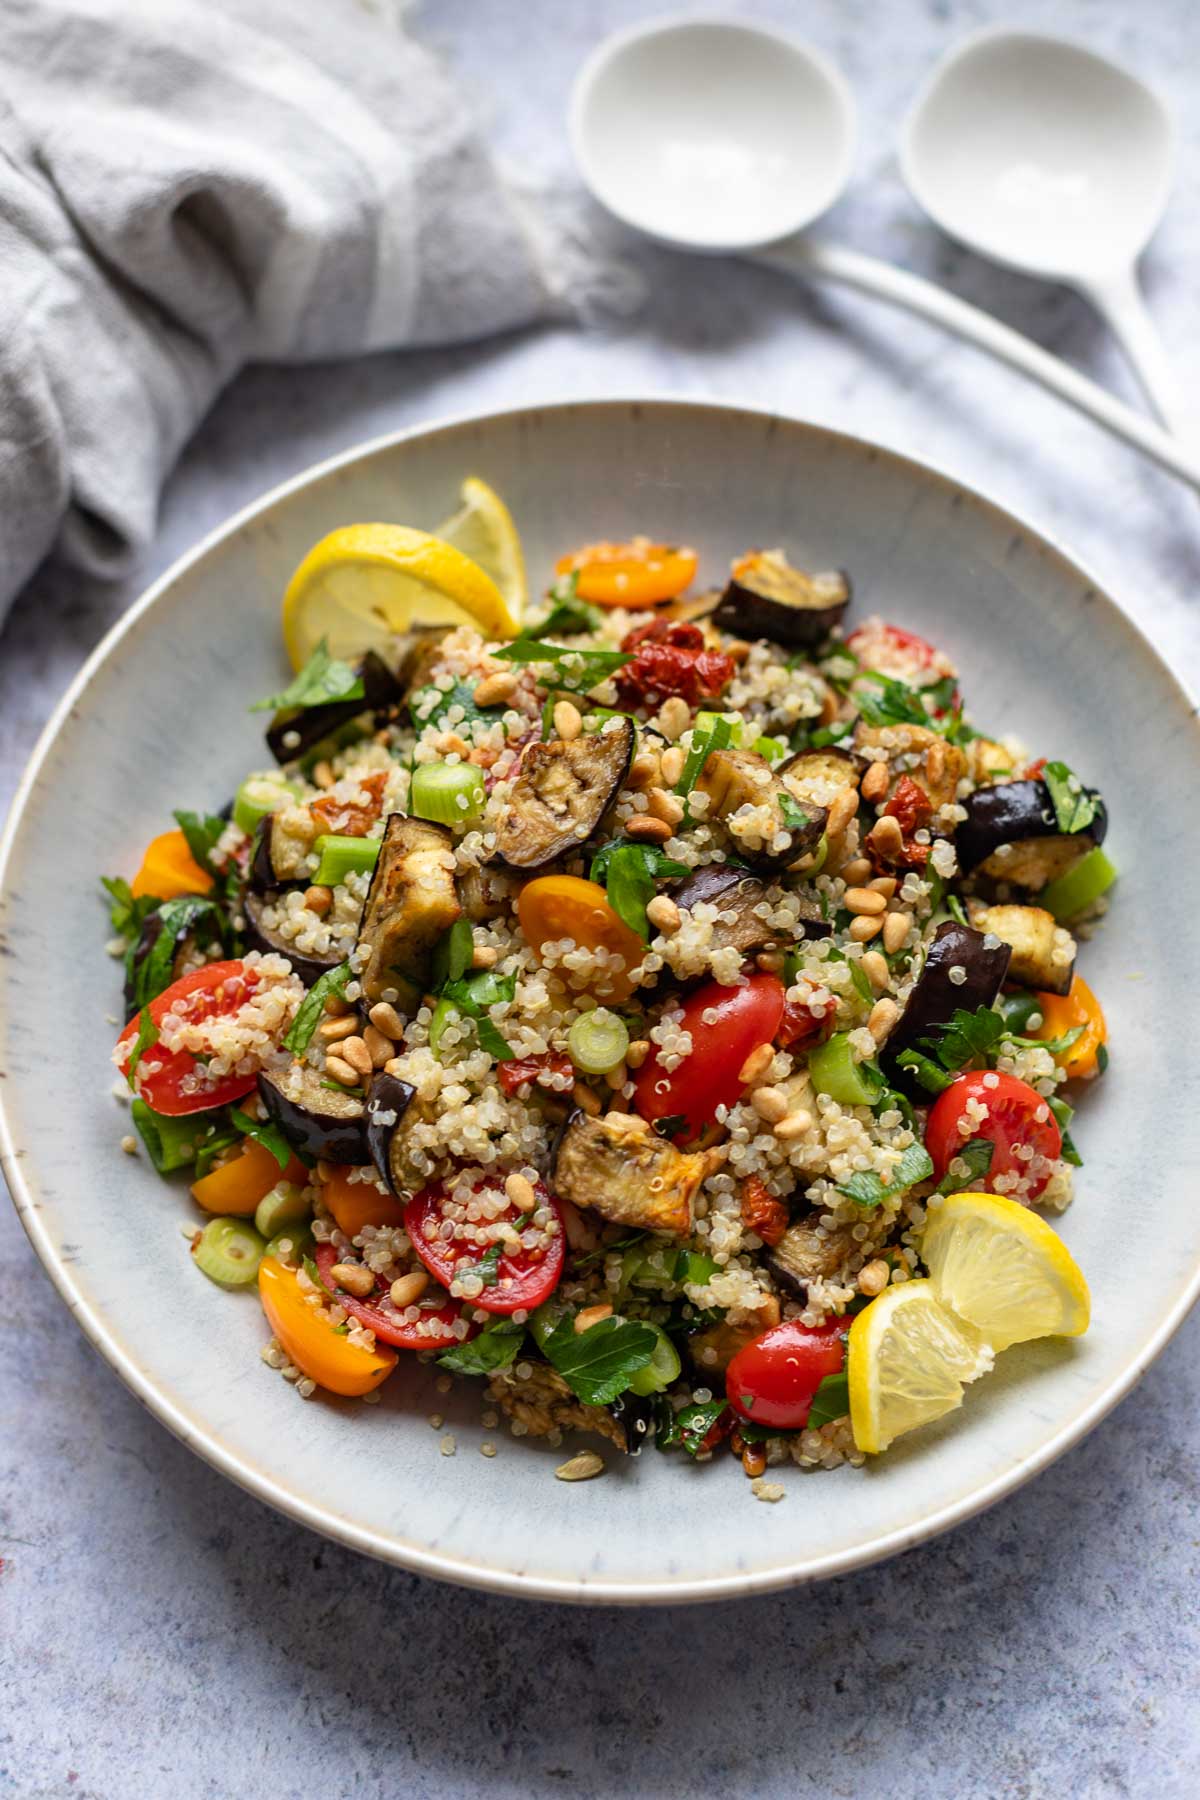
x,y
160,1632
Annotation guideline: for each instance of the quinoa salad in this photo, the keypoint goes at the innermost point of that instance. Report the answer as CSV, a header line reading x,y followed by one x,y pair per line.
x,y
607,1014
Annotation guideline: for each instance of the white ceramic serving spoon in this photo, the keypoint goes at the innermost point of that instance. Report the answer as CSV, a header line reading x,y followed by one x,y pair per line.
x,y
718,137
1044,156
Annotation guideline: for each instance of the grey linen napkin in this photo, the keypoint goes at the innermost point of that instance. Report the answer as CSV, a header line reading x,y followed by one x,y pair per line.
x,y
187,185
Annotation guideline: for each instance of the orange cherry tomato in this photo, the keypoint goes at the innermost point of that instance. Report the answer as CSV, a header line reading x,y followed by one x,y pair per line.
x,y
311,1342
1062,1013
358,1203
635,574
566,906
236,1188
169,869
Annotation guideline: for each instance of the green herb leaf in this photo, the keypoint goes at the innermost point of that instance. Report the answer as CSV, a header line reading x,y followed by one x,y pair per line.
x,y
1063,1115
147,1034
861,980
488,1266
931,1078
155,971
202,831
977,1154
473,996
831,1401
312,1008
868,1189
1102,1058
891,1100
322,679
954,907
794,816
429,705
127,913
452,954
688,1428
222,1139
597,1364
269,1136
339,1087
1074,807
574,671
495,1348
570,613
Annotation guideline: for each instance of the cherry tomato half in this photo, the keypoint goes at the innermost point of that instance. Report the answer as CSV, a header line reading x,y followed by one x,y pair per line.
x,y
773,1380
1062,1013
434,1330
180,1082
565,906
741,1018
1019,1125
521,1277
892,649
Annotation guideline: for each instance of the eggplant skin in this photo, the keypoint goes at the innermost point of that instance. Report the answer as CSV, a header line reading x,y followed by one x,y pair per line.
x,y
935,998
321,1121
1011,834
609,1165
313,723
768,598
1043,951
260,937
387,1095
804,1253
733,891
733,779
410,903
561,792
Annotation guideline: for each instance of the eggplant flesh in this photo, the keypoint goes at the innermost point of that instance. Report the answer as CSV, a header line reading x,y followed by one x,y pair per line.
x,y
1011,834
736,893
1043,951
388,1100
735,780
979,970
260,936
768,598
294,734
805,1253
816,777
322,1121
609,1165
410,903
561,792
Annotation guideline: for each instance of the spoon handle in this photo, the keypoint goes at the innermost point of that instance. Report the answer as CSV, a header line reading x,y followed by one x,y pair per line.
x,y
808,259
1118,299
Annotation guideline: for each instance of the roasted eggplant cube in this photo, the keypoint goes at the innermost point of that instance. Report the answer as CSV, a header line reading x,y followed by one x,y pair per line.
x,y
923,755
1043,951
963,969
618,1167
561,792
388,1099
817,777
282,848
1011,834
294,734
410,903
757,810
314,1116
806,1252
266,938
768,598
735,894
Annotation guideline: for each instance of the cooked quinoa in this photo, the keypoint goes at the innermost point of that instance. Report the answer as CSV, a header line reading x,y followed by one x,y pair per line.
x,y
601,1014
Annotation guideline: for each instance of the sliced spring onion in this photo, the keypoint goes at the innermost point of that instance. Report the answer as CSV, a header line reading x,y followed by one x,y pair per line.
x,y
597,1041
229,1252
707,721
661,1370
291,1245
835,1072
261,795
284,1205
443,1012
447,793
772,750
1080,887
342,856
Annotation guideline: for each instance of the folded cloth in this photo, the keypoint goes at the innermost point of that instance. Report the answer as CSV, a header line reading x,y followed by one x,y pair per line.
x,y
188,186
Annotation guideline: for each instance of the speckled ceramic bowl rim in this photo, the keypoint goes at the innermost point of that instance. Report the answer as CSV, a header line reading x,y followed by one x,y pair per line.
x,y
387,1547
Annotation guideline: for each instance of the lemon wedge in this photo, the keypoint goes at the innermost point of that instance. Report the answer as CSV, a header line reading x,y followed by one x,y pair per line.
x,y
364,583
483,529
908,1359
1004,1270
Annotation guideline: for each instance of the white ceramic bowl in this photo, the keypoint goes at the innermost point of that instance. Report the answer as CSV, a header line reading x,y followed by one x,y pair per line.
x,y
158,719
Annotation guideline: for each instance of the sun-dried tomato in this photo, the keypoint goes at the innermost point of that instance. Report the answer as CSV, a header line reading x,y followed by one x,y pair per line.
x,y
909,805
342,818
669,658
762,1212
1035,769
536,1069
803,1024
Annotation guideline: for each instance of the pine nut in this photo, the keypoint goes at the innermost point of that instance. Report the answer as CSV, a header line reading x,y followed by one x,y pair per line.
x,y
568,721
793,1126
331,1031
754,1460
674,717
379,1048
521,1192
884,1014
896,928
322,774
663,913
875,968
935,763
857,873
885,836
336,1007
493,690
583,1097
354,1051
385,1018
617,1077
581,1467
407,1288
665,806
770,961
324,1170
337,1070
647,829
354,1278
862,900
637,1053
874,1277
885,885
483,956
770,1103
644,771
842,809
318,900
592,1315
671,763
738,649
756,1065
863,929
874,784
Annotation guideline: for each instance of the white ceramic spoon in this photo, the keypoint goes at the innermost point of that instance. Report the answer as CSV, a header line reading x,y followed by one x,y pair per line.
x,y
1043,156
718,137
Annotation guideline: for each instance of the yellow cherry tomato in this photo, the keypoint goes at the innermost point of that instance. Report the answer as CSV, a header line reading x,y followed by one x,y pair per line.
x,y
1062,1013
310,1341
358,1203
236,1188
635,574
565,906
169,869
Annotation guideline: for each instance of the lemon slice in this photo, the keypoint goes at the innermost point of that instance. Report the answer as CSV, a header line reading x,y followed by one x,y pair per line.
x,y
908,1359
483,529
363,583
1005,1270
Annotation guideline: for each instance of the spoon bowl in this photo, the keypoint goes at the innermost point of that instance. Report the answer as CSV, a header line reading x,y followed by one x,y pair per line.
x,y
710,135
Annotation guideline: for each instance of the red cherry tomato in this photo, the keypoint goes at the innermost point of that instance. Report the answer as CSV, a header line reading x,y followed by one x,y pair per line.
x,y
438,1224
803,1025
434,1330
773,1380
887,647
1019,1125
742,1019
176,1081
